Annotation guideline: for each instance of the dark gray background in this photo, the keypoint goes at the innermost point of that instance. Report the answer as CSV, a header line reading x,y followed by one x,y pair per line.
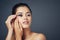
x,y
46,17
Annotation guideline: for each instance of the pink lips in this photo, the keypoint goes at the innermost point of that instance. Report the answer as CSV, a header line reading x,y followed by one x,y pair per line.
x,y
26,22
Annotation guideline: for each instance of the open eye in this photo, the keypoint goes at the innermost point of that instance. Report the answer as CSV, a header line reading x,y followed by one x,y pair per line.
x,y
28,14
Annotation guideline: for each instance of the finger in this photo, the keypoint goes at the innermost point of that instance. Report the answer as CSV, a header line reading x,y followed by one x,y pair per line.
x,y
11,17
8,21
16,26
20,26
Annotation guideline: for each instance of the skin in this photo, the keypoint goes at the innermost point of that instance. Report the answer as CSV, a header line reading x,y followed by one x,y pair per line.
x,y
16,27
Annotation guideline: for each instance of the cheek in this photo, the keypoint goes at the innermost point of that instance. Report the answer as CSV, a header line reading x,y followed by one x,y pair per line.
x,y
20,19
30,20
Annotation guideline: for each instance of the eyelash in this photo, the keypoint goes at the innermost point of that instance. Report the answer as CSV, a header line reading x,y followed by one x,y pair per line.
x,y
22,15
29,15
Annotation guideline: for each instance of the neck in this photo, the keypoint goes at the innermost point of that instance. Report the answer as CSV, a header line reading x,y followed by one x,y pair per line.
x,y
26,32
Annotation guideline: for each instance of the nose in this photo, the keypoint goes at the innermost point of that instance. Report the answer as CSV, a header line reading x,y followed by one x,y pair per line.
x,y
25,18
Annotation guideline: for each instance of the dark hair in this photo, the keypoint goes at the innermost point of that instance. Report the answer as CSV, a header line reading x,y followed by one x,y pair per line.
x,y
20,5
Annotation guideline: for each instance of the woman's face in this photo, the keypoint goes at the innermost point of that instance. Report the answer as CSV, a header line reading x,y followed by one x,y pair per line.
x,y
24,16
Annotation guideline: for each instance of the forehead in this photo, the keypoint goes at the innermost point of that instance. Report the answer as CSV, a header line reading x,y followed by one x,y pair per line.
x,y
22,9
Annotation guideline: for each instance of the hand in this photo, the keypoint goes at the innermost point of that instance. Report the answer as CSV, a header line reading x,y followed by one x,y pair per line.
x,y
9,21
9,24
18,29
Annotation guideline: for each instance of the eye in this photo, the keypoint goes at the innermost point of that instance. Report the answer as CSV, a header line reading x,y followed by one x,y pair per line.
x,y
29,14
20,15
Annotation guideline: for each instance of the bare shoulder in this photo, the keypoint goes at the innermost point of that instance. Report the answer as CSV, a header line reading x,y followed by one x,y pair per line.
x,y
40,36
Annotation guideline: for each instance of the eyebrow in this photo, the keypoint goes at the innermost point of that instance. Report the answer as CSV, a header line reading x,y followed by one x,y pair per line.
x,y
28,12
19,13
22,13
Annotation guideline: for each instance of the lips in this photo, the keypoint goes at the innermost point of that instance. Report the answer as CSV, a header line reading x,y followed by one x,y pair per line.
x,y
26,22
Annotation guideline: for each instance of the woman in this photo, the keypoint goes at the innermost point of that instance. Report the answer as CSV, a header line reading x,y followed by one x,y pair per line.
x,y
19,22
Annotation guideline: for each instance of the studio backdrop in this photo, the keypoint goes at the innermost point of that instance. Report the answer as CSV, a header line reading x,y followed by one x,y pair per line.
x,y
45,17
